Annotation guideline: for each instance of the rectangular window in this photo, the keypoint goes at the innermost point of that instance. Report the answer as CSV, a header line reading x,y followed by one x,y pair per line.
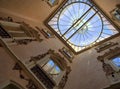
x,y
52,69
116,61
47,33
116,14
53,2
67,53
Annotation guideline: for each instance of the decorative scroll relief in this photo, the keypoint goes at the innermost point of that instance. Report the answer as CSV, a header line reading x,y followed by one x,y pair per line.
x,y
30,84
105,46
108,69
39,57
110,64
64,79
8,19
111,53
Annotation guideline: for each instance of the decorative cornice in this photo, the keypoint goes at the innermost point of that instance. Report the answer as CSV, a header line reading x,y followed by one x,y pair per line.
x,y
110,54
39,57
105,46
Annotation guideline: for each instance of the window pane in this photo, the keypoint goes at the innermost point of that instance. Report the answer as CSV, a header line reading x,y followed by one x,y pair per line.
x,y
116,61
48,66
55,71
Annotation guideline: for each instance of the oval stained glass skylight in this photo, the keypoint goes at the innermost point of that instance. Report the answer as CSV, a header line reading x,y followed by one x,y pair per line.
x,y
79,24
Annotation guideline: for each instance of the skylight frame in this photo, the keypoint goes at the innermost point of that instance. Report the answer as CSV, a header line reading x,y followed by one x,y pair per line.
x,y
61,7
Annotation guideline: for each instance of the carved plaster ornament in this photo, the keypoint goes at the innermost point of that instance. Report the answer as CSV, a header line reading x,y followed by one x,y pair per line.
x,y
107,69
